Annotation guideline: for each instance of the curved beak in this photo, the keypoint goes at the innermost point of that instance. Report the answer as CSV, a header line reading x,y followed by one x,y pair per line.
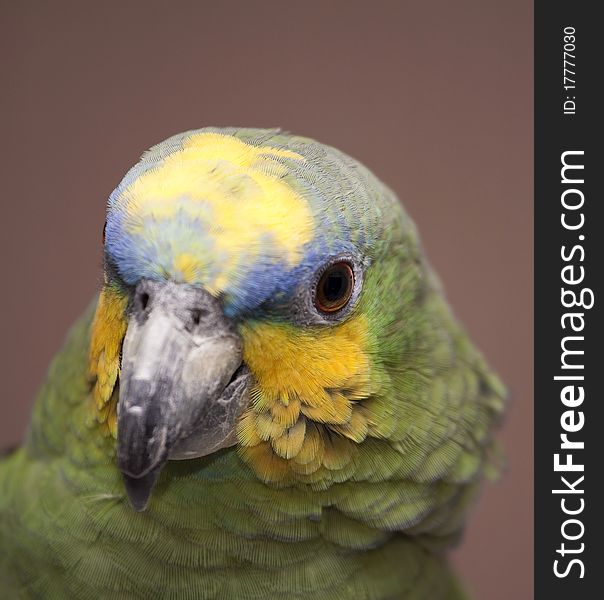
x,y
182,383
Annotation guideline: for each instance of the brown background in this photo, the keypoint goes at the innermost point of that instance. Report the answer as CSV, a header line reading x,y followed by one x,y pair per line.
x,y
435,97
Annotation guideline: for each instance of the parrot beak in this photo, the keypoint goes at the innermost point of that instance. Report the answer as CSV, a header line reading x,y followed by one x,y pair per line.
x,y
182,382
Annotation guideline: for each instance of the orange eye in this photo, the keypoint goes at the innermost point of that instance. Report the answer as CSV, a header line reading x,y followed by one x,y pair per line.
x,y
334,289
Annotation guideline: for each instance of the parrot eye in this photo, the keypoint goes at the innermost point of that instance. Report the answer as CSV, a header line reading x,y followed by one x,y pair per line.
x,y
334,288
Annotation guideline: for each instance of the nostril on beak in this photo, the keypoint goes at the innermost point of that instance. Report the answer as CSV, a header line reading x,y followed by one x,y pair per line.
x,y
144,300
197,314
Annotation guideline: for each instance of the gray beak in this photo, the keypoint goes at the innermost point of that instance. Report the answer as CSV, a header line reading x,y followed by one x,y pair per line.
x,y
182,383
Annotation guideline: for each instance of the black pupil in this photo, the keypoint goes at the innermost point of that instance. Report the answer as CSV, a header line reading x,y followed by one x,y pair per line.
x,y
335,285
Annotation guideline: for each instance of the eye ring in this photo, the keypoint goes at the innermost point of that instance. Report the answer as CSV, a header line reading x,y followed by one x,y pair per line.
x,y
334,288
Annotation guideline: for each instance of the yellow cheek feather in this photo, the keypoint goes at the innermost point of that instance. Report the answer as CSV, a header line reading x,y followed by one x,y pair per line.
x,y
236,189
108,330
306,416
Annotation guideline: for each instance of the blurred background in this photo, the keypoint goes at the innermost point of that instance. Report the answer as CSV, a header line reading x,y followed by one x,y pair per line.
x,y
435,97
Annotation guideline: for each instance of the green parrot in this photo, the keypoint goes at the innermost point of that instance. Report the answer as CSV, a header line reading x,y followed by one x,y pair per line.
x,y
270,397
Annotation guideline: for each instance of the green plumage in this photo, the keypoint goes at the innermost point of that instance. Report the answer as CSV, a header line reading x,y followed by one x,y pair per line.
x,y
213,530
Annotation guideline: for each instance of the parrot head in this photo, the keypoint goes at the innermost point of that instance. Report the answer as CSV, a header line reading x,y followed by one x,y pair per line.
x,y
264,291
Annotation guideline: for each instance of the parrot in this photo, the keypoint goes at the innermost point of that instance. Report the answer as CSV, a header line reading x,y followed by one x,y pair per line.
x,y
269,397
